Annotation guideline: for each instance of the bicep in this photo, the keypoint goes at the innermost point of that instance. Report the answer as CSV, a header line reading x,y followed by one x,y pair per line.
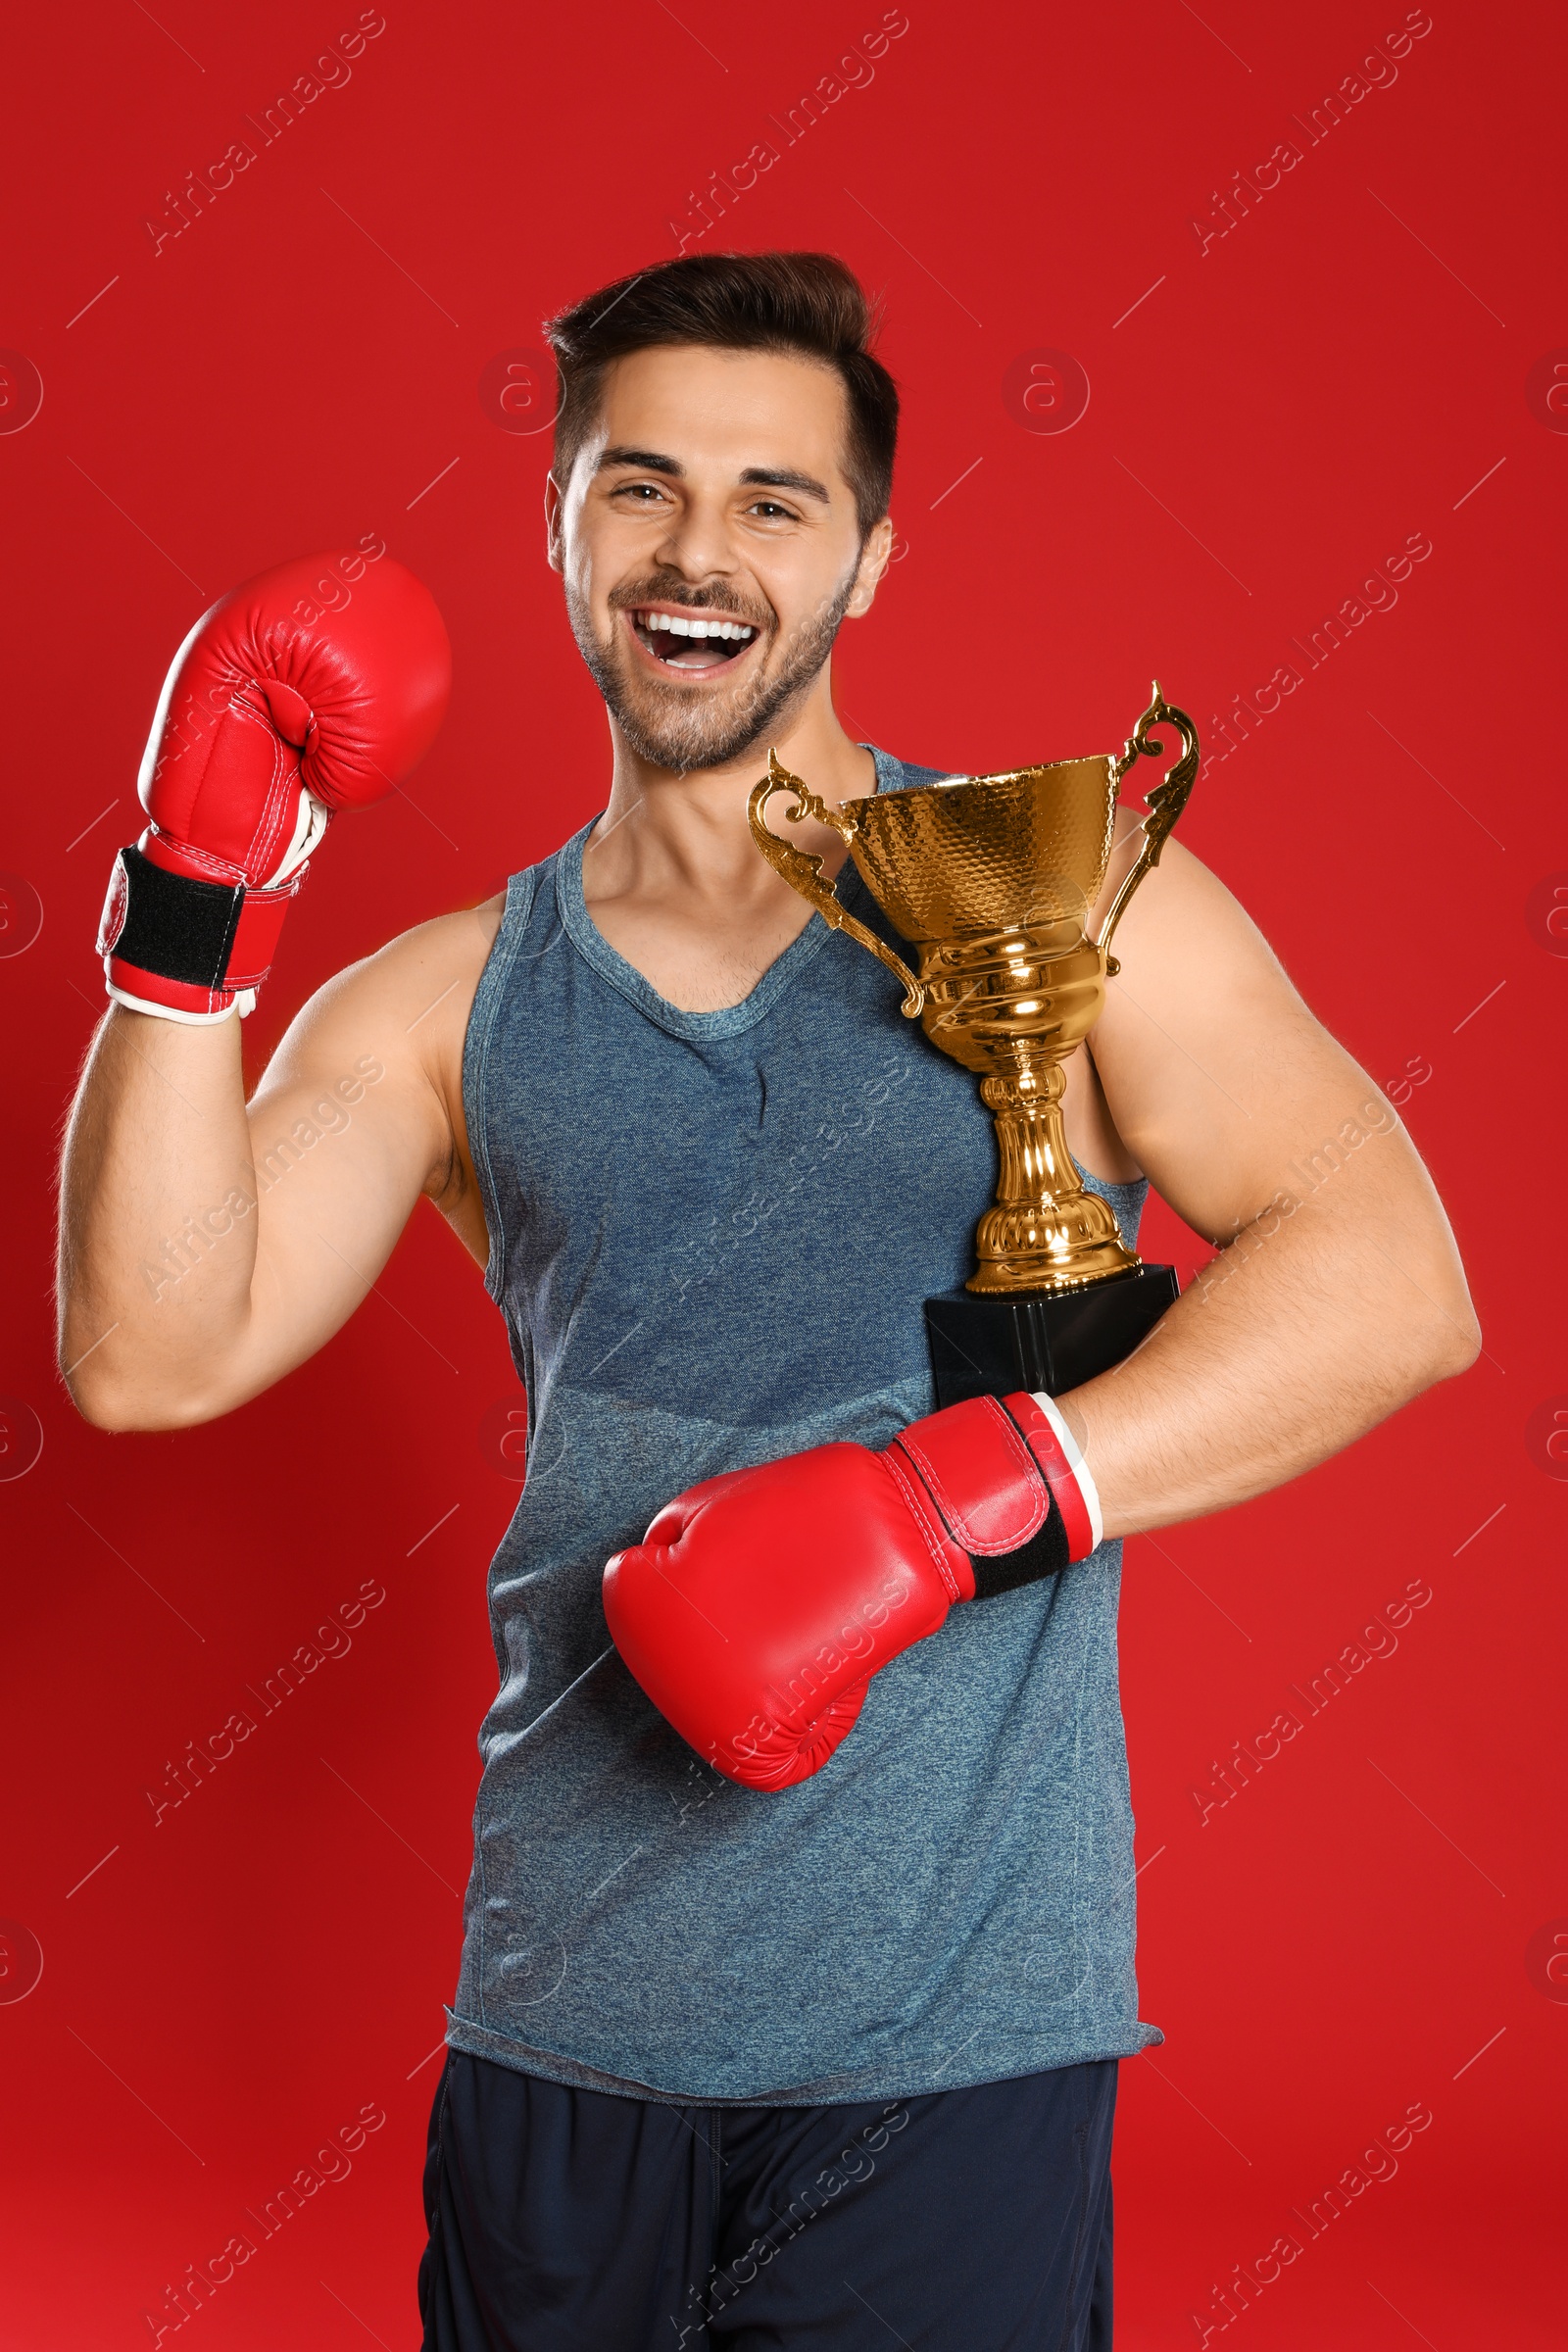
x,y
1219,1079
347,1131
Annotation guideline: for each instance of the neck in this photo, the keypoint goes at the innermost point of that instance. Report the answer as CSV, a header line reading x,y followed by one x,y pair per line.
x,y
690,830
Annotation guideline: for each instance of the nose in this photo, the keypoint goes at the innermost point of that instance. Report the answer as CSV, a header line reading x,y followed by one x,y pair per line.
x,y
696,543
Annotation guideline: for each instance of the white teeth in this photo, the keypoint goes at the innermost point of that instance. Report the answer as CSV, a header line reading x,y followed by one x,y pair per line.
x,y
676,625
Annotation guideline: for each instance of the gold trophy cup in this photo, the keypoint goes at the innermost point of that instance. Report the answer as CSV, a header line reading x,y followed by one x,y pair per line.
x,y
994,879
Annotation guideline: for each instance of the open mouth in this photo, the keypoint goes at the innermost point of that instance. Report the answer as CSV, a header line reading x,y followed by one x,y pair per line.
x,y
695,644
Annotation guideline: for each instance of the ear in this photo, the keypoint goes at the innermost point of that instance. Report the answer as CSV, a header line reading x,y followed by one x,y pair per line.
x,y
875,556
553,502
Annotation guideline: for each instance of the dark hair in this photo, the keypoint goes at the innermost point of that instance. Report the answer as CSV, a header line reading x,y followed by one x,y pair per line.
x,y
810,303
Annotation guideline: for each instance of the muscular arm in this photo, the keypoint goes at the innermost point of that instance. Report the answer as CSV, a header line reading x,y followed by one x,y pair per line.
x,y
207,1246
1338,1294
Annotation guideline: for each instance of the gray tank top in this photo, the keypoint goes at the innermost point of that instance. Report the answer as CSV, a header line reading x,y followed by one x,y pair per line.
x,y
709,1235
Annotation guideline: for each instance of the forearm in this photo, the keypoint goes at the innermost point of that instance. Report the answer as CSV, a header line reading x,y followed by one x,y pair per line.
x,y
1311,1327
157,1169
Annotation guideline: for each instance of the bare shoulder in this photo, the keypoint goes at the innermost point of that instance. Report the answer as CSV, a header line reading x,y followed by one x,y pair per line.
x,y
1182,926
409,999
405,1009
1215,1070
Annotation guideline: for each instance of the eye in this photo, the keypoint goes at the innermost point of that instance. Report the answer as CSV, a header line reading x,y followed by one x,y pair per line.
x,y
639,493
771,511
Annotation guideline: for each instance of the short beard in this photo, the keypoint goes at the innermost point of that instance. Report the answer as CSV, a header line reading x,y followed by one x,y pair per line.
x,y
676,728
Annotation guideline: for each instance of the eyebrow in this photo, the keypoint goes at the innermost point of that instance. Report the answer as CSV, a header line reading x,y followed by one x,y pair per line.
x,y
783,478
768,477
646,461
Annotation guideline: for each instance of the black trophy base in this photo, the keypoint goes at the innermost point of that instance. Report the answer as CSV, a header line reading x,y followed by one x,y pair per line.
x,y
1041,1340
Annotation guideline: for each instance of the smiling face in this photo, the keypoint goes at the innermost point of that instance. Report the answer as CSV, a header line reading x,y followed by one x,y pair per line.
x,y
709,547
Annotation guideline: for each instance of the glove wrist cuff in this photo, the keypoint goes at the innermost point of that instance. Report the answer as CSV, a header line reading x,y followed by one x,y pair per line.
x,y
984,1483
176,944
1066,1473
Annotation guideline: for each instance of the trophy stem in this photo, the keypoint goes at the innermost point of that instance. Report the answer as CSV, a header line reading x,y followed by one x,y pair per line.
x,y
1046,1232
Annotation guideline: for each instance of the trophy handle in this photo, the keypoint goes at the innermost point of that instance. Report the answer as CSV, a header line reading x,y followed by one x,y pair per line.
x,y
802,869
1164,804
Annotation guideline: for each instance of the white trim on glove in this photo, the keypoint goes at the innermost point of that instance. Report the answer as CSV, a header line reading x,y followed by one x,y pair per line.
x,y
244,1001
1075,1462
309,826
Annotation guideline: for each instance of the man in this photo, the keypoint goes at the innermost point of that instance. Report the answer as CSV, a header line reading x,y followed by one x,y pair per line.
x,y
835,2061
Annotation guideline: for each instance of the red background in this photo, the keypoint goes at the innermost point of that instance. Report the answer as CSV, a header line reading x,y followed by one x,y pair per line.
x,y
1338,373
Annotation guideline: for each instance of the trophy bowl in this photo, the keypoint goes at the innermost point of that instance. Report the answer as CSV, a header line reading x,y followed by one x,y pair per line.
x,y
980,854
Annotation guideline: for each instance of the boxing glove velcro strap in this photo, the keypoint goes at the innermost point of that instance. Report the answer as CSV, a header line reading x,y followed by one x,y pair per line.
x,y
170,924
1046,1553
979,1475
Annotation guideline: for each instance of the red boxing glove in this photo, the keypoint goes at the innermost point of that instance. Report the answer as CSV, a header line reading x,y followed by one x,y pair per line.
x,y
313,688
758,1605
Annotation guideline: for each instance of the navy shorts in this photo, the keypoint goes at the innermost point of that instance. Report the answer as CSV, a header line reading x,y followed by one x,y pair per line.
x,y
575,2220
